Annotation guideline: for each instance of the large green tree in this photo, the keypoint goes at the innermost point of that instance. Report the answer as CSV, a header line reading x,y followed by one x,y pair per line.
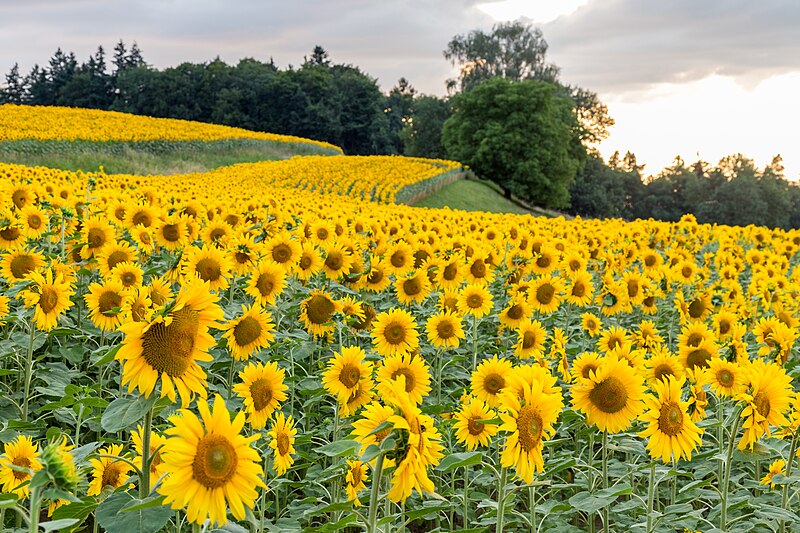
x,y
520,135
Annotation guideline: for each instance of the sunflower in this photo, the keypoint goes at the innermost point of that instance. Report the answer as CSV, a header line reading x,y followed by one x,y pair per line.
x,y
580,291
478,270
726,378
400,258
531,337
282,442
4,301
365,429
472,427
310,262
208,263
377,278
140,215
283,250
20,453
108,471
11,235
113,254
528,420
670,430
694,334
50,296
171,232
775,468
591,324
444,330
160,291
661,365
143,238
489,380
105,302
157,443
262,390
316,313
345,372
698,357
417,376
97,233
17,264
514,313
544,261
585,364
448,301
170,346
248,333
337,261
766,403
614,340
611,397
355,479
129,274
545,294
475,300
210,465
449,274
359,398
266,283
413,288
647,335
395,332
698,401
723,322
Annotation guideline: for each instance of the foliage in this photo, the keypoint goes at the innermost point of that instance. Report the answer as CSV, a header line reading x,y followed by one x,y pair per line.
x,y
519,135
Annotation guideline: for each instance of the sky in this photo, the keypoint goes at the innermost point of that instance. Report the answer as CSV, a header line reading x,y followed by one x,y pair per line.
x,y
699,79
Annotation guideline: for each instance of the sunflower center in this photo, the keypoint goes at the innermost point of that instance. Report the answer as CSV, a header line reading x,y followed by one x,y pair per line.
x,y
670,420
10,233
578,290
614,343
35,221
633,288
474,301
21,265
395,333
412,286
350,375
698,358
649,301
697,308
445,330
320,309
171,232
587,370
242,258
215,462
545,293
217,233
48,299
687,272
375,276
610,395
208,269
650,260
169,349
112,473
265,284
20,198
528,340
398,259
246,331
474,426
97,238
116,258
142,218
494,383
478,268
543,261
410,379
282,253
530,425
128,279
108,301
515,312
662,371
725,378
261,392
762,404
22,462
724,326
695,339
450,272
283,444
334,261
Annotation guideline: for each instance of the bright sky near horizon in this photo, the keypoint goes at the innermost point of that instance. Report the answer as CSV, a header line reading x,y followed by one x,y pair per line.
x,y
695,79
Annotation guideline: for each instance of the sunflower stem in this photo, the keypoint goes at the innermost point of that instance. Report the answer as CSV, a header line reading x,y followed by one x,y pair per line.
x,y
720,437
231,371
651,493
28,371
144,482
726,477
372,521
474,342
501,500
532,505
789,464
466,499
605,479
35,509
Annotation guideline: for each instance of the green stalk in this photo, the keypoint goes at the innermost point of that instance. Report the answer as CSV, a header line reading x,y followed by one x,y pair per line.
x,y
144,482
372,521
466,498
532,505
35,510
726,477
789,465
28,370
501,503
474,343
605,479
651,493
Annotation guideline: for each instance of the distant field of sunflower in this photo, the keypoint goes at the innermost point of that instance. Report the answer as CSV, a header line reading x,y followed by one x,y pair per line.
x,y
280,347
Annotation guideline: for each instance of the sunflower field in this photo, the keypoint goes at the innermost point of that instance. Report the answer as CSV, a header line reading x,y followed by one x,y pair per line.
x,y
283,346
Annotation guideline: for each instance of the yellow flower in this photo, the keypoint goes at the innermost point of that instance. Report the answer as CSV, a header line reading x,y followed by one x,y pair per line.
x,y
282,437
412,368
530,339
611,397
49,296
108,471
355,479
157,443
17,264
345,372
210,465
317,312
776,467
444,330
489,380
105,302
22,453
766,403
413,288
249,333
475,300
472,428
395,332
209,264
545,294
725,378
671,433
262,390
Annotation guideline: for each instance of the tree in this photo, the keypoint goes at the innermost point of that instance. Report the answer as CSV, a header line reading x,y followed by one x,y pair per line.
x,y
605,191
422,135
518,134
319,56
398,109
14,91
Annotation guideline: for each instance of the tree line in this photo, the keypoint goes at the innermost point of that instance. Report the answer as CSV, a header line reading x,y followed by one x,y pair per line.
x,y
507,115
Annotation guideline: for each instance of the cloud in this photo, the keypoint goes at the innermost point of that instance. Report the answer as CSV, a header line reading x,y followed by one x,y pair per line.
x,y
618,46
386,39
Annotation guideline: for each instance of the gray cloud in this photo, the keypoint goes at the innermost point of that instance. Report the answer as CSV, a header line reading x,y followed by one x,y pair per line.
x,y
616,46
